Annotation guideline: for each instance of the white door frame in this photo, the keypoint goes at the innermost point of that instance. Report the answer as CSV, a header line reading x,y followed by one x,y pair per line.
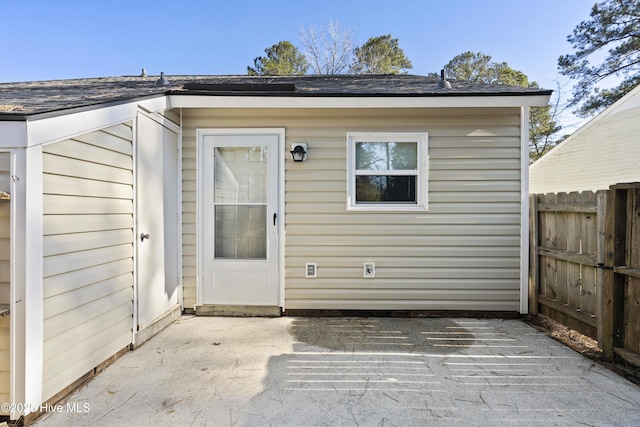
x,y
200,258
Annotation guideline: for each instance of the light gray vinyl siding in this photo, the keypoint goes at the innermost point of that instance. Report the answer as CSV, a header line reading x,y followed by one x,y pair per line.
x,y
462,254
5,230
189,269
88,253
603,152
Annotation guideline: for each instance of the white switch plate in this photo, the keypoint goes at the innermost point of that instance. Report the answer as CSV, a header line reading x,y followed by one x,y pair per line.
x,y
369,270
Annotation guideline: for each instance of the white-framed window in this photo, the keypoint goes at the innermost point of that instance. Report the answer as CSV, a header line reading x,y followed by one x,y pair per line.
x,y
387,171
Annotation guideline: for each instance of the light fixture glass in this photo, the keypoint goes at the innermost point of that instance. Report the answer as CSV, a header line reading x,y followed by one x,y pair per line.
x,y
298,152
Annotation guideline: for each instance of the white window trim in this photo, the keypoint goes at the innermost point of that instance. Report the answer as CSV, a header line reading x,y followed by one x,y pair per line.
x,y
422,181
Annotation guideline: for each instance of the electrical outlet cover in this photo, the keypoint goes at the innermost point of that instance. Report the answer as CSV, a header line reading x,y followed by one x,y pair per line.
x,y
311,270
369,270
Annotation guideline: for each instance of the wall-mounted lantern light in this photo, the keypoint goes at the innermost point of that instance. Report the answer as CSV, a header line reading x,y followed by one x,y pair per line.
x,y
299,151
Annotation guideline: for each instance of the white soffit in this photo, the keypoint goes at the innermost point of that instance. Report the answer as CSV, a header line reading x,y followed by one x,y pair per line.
x,y
13,134
37,131
65,126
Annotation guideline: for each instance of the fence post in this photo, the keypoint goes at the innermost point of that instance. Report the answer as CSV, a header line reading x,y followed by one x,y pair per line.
x,y
615,254
605,321
534,277
603,200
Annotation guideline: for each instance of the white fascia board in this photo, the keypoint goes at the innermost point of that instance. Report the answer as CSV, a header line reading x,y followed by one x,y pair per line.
x,y
13,134
57,128
211,101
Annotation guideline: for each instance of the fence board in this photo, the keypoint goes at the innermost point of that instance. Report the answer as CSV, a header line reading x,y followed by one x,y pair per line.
x,y
589,235
569,312
564,231
567,256
548,226
628,271
567,207
575,243
632,315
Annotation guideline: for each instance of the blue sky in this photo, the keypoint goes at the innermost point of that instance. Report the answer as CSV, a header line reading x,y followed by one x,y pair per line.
x,y
43,39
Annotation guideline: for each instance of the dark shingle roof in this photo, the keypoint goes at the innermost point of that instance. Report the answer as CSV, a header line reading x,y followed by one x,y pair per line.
x,y
26,98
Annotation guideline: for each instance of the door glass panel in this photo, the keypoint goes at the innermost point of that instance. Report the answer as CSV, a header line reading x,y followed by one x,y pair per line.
x,y
240,199
241,232
240,175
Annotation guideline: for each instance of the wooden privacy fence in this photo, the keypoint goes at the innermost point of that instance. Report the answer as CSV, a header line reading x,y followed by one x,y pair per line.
x,y
585,264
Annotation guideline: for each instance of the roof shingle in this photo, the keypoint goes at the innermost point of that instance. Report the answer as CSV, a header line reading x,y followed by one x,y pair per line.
x,y
27,98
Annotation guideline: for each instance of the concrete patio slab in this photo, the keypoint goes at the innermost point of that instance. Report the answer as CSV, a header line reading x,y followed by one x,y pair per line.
x,y
211,371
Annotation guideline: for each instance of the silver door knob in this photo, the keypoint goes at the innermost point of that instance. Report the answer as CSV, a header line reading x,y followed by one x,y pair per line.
x,y
144,236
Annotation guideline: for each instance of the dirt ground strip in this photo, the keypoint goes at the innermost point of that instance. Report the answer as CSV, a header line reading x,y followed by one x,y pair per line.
x,y
584,345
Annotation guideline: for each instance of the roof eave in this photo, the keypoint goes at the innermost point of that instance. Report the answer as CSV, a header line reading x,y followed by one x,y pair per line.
x,y
63,111
208,100
180,99
63,124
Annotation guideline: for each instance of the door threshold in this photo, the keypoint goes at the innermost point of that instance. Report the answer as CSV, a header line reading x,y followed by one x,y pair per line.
x,y
238,311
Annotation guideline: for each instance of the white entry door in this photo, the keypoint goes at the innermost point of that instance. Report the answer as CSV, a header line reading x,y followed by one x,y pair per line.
x,y
240,218
157,231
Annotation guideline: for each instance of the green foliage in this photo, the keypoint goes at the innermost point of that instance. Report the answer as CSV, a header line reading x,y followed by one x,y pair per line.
x,y
614,26
282,59
380,55
542,131
471,67
477,67
510,77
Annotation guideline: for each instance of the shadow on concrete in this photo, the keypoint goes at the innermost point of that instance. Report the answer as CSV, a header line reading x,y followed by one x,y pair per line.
x,y
356,334
416,372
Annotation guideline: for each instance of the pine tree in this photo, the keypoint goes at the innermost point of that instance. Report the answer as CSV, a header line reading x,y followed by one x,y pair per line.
x,y
614,27
282,59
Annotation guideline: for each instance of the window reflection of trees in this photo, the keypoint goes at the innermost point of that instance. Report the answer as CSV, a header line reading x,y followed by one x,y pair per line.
x,y
386,156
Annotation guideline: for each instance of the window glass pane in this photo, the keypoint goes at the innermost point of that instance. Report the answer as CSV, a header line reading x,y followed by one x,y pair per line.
x,y
240,175
386,155
241,232
378,189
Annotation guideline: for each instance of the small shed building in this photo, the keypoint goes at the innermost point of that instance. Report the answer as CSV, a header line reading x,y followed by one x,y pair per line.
x,y
133,199
603,152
